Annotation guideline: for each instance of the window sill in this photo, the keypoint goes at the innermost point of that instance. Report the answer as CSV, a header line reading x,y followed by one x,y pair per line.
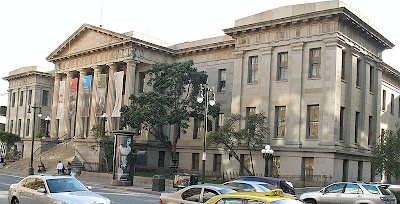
x,y
282,80
252,83
221,92
279,138
358,87
371,93
311,138
196,138
314,78
344,81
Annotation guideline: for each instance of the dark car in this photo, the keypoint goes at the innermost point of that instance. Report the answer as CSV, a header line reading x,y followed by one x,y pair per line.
x,y
285,185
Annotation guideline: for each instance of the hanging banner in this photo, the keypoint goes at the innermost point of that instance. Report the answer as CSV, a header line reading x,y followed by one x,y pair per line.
x,y
73,92
101,95
60,107
118,79
87,87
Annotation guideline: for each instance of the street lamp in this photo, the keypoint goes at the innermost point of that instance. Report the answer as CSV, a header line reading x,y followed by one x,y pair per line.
x,y
267,155
104,117
210,99
47,119
31,170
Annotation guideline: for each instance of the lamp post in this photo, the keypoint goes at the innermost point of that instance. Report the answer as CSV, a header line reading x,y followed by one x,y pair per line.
x,y
31,170
210,100
267,155
47,119
104,117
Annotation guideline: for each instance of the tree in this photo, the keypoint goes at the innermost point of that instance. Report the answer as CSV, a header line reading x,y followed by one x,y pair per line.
x,y
9,139
105,142
385,157
251,137
172,102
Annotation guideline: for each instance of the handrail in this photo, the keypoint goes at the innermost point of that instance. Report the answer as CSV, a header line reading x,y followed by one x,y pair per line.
x,y
51,150
84,159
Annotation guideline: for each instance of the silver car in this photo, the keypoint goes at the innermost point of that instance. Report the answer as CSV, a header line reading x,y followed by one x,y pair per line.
x,y
195,194
40,189
347,192
252,186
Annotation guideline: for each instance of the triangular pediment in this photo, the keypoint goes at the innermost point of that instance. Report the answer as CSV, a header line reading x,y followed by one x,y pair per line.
x,y
87,38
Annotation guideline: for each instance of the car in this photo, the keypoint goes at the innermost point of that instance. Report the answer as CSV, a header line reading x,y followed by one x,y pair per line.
x,y
252,186
43,189
285,185
195,194
351,192
273,197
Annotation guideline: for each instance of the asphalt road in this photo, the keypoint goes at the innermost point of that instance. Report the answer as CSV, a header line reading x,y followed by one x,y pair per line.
x,y
116,196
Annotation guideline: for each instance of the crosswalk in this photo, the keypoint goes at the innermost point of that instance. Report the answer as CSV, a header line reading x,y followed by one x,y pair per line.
x,y
3,196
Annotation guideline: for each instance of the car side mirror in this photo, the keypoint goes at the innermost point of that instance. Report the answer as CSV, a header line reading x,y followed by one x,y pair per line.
x,y
89,187
41,190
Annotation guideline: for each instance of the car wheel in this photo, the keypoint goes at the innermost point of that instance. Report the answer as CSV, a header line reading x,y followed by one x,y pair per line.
x,y
15,201
310,201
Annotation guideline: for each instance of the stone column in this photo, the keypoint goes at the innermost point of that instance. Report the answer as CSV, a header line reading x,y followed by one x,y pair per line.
x,y
111,97
79,131
92,117
66,128
54,121
130,80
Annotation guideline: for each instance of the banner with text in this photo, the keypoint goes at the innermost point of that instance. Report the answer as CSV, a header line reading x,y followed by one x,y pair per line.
x,y
73,92
87,87
60,107
118,79
101,95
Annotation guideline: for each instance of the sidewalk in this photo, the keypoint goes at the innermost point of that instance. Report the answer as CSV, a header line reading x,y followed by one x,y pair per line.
x,y
103,180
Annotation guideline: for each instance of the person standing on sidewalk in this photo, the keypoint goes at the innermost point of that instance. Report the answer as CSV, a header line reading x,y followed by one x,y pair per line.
x,y
60,168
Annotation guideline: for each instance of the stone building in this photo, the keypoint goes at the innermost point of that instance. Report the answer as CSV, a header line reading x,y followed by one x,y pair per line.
x,y
315,69
29,87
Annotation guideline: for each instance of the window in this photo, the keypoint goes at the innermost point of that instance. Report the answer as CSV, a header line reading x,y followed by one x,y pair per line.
x,y
42,127
360,171
343,65
308,165
192,194
253,69
283,66
217,162
45,98
276,164
221,118
12,126
335,188
371,79
21,98
196,128
246,160
315,62
371,189
250,111
177,158
392,104
13,100
195,161
280,115
384,100
370,129
28,123
345,174
161,158
312,120
341,134
221,80
30,97
208,194
357,126
358,74
142,82
19,126
352,189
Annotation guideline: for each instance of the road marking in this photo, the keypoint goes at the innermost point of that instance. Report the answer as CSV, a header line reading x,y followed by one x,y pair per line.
x,y
3,194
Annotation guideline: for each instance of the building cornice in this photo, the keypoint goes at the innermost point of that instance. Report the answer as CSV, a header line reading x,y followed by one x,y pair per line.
x,y
28,74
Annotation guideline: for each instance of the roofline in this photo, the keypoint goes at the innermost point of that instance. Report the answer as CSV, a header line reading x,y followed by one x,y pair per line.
x,y
27,74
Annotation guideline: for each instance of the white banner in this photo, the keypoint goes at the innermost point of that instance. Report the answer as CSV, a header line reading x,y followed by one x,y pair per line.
x,y
118,79
61,94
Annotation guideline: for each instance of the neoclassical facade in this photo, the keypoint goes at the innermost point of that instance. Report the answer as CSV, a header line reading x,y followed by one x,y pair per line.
x,y
315,69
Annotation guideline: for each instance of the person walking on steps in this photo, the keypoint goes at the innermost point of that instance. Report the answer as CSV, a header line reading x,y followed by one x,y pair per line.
x,y
60,168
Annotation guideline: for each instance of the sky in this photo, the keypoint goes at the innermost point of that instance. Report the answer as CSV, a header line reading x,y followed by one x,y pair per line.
x,y
31,30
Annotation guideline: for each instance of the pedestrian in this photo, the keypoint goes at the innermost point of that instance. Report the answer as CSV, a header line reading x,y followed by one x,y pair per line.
x,y
60,168
69,168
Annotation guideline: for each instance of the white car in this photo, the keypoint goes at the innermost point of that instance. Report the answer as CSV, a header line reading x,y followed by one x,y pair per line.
x,y
41,189
195,194
252,186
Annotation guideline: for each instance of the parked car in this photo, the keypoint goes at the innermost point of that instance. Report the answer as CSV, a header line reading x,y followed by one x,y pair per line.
x,y
195,194
351,192
253,186
272,197
52,189
285,185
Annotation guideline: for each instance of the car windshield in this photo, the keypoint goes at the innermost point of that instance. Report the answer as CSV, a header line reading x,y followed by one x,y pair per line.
x,y
287,201
60,185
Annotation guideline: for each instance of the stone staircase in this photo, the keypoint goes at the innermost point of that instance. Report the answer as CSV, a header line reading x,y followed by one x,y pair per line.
x,y
63,152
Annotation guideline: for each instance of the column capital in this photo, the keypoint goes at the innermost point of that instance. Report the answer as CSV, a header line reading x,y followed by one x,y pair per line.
x,y
83,71
113,65
130,62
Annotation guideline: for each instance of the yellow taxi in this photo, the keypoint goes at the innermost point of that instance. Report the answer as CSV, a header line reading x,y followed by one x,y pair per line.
x,y
272,197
